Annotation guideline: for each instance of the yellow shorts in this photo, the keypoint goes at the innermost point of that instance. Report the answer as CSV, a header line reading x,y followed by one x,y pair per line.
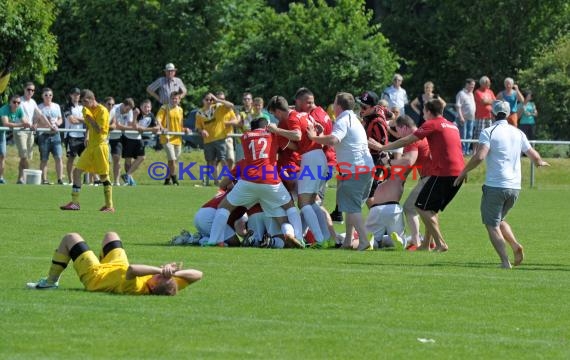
x,y
95,159
105,275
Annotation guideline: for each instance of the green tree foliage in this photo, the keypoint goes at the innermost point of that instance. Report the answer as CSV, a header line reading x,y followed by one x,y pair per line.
x,y
28,48
324,48
447,41
118,47
549,80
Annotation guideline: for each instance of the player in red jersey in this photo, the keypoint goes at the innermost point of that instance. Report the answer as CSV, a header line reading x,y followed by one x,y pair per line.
x,y
447,163
305,102
314,169
259,182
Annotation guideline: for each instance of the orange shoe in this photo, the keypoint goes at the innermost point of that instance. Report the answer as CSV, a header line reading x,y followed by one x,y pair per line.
x,y
107,209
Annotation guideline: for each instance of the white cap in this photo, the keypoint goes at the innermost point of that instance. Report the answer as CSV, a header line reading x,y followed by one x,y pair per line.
x,y
169,67
500,106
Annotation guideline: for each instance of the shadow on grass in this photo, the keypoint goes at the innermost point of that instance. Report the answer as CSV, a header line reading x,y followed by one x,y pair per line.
x,y
161,244
481,265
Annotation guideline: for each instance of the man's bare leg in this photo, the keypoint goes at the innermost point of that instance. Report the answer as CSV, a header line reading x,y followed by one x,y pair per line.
x,y
431,222
498,242
509,237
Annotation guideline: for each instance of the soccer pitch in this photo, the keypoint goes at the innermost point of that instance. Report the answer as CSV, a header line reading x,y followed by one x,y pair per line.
x,y
288,304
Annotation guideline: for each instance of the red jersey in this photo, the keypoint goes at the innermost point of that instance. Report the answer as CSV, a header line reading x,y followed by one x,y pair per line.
x,y
289,159
445,146
483,111
320,116
216,200
300,121
260,155
423,160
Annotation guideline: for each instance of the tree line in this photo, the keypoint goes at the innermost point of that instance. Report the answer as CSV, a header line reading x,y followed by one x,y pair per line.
x,y
117,47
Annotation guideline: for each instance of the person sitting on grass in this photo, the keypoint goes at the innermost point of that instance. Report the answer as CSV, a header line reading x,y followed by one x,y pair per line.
x,y
113,273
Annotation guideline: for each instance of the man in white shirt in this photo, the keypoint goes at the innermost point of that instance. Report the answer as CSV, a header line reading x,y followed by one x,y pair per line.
x,y
500,146
396,95
25,139
465,105
121,118
354,164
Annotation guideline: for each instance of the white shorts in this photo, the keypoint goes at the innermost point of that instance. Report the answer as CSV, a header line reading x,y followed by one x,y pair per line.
x,y
313,172
172,151
203,223
271,197
385,219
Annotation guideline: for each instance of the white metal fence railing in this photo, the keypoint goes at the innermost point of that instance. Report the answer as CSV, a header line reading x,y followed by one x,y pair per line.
x,y
42,130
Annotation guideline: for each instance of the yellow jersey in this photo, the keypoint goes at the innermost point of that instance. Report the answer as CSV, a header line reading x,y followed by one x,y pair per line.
x,y
213,121
171,119
101,116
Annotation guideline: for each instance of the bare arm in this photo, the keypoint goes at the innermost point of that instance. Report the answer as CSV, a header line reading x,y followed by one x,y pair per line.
x,y
400,142
321,139
167,270
152,93
535,157
223,102
480,155
293,135
414,104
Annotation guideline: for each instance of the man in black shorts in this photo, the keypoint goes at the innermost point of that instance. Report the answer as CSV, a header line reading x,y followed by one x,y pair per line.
x,y
133,145
74,140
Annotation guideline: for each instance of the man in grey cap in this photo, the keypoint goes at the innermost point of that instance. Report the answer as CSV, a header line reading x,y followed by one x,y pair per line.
x,y
162,87
500,145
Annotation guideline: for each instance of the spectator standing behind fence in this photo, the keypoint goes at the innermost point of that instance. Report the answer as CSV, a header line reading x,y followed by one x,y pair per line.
x,y
528,116
210,123
513,96
12,117
50,141
231,120
171,119
95,157
244,117
396,95
25,139
500,146
418,103
165,85
144,121
484,98
74,140
121,118
465,106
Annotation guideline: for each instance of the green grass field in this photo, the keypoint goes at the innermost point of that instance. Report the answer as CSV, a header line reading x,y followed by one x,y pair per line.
x,y
287,304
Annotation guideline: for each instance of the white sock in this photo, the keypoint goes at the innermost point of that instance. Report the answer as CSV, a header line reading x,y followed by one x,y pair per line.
x,y
313,222
322,221
295,221
287,229
218,226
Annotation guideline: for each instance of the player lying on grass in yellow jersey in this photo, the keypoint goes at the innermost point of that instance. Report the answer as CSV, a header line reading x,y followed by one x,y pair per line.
x,y
111,271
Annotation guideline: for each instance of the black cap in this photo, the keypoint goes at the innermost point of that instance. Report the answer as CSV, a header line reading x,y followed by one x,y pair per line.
x,y
75,91
368,98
